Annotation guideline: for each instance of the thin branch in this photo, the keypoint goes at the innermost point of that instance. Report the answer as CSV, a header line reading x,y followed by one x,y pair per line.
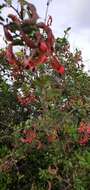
x,y
15,10
3,124
46,13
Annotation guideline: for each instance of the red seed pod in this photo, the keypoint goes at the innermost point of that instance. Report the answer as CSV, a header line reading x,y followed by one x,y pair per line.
x,y
29,64
49,22
14,19
29,42
61,70
10,56
41,59
43,47
57,66
50,38
32,13
8,35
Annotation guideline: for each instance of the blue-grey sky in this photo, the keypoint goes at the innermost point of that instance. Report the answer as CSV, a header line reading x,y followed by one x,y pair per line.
x,y
74,13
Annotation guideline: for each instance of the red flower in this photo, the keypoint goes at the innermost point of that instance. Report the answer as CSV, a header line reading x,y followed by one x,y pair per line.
x,y
43,47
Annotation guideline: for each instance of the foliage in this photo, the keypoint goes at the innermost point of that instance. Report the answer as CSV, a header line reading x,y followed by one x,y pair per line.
x,y
44,108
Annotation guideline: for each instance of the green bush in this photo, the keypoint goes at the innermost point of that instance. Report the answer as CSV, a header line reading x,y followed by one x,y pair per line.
x,y
41,143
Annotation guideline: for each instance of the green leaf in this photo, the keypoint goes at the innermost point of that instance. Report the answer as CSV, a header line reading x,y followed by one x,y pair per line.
x,y
53,93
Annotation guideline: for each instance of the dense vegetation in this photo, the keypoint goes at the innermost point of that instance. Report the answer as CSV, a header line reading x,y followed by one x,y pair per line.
x,y
44,108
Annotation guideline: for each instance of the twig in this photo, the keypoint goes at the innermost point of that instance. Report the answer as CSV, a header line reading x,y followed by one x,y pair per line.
x,y
46,13
15,10
3,124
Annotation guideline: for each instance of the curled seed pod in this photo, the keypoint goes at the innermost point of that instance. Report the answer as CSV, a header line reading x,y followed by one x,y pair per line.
x,y
29,42
8,35
10,56
14,19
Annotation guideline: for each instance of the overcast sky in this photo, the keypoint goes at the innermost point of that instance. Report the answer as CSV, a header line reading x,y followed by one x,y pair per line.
x,y
65,13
